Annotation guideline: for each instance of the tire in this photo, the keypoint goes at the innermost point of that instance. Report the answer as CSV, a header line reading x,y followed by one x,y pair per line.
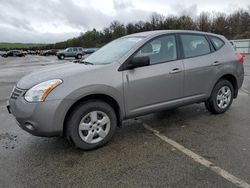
x,y
61,56
84,125
79,56
221,97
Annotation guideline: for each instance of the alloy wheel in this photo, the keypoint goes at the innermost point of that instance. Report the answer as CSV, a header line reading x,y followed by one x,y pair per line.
x,y
94,127
224,97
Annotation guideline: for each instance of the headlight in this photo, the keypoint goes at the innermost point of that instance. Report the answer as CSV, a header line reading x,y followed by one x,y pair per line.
x,y
40,91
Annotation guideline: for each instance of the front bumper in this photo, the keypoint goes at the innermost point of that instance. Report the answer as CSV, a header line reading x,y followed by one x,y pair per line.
x,y
40,119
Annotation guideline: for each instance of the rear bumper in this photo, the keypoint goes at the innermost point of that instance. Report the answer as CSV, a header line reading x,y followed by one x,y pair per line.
x,y
240,80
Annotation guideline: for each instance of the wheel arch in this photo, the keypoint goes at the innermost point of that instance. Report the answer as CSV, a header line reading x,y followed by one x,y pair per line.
x,y
232,79
78,55
102,97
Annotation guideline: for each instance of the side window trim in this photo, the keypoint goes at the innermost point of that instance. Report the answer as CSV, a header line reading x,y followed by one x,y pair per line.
x,y
180,46
212,48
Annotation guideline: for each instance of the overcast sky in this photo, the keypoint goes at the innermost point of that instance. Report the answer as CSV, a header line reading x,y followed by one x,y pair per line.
x,y
48,21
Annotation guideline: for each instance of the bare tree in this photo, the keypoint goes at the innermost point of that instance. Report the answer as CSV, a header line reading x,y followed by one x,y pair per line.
x,y
204,22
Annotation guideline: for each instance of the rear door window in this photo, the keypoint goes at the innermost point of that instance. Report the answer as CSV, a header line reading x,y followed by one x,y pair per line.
x,y
194,45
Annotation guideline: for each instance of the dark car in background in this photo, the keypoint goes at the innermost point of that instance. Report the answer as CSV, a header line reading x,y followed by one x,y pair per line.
x,y
89,50
49,52
14,53
32,52
76,52
2,53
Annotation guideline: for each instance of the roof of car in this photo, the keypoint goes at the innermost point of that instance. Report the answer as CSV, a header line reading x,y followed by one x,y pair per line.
x,y
158,32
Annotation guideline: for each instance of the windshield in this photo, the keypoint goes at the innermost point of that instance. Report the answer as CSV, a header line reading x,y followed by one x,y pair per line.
x,y
113,51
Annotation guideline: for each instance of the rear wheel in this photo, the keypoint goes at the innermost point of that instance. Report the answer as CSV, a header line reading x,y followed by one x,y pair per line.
x,y
79,56
221,97
91,125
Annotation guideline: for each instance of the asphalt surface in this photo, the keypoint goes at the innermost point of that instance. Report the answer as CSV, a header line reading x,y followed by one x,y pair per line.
x,y
135,157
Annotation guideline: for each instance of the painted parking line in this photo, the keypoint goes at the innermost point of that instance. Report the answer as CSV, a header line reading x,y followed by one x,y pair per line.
x,y
199,159
244,91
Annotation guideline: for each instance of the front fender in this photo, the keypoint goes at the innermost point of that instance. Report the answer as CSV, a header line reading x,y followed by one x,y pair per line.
x,y
80,93
98,89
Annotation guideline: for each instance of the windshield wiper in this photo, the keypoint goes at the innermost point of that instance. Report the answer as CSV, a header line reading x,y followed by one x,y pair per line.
x,y
86,63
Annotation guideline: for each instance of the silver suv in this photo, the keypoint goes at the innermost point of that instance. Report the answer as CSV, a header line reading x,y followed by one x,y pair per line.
x,y
131,76
76,52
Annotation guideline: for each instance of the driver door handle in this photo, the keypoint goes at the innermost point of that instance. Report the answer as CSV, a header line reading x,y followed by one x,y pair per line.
x,y
175,70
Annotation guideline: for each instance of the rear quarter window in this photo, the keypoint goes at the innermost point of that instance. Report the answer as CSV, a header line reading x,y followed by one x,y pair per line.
x,y
217,42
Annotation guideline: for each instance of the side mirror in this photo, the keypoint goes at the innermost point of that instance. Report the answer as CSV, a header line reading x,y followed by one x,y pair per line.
x,y
139,61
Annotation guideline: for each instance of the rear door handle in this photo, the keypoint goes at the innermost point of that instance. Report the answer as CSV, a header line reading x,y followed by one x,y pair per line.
x,y
175,70
216,63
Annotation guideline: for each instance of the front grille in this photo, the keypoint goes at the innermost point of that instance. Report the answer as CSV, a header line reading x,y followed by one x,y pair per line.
x,y
16,93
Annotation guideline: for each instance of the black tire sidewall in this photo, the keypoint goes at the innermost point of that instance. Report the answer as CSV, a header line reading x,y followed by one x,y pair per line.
x,y
213,99
79,112
62,56
79,56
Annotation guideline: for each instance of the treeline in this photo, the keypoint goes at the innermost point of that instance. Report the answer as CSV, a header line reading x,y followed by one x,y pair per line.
x,y
24,46
233,26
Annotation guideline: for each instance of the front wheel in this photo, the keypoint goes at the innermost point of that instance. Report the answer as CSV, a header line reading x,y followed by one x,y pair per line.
x,y
221,97
91,124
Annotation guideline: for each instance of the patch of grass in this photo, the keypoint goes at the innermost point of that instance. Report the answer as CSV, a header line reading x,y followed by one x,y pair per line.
x,y
6,45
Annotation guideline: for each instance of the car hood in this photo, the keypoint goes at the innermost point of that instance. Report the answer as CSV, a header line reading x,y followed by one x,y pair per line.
x,y
54,72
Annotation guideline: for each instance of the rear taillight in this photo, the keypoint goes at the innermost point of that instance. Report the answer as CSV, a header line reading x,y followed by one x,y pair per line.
x,y
240,57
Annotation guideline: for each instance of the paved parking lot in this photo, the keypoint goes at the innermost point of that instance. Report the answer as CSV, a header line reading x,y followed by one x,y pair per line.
x,y
167,149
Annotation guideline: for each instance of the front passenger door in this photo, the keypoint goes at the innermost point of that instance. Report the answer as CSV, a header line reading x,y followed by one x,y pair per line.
x,y
69,52
153,87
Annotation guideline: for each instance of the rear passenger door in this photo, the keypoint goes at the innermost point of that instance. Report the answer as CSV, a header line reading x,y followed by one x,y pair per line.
x,y
80,50
75,51
199,64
